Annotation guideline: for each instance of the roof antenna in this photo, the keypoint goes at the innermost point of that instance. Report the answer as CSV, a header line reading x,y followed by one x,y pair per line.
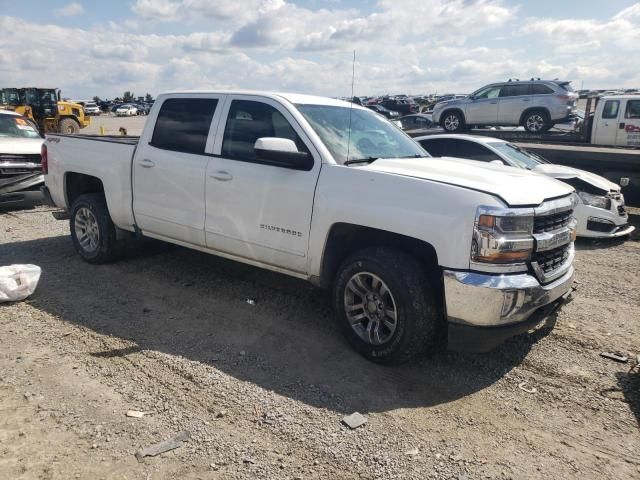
x,y
353,76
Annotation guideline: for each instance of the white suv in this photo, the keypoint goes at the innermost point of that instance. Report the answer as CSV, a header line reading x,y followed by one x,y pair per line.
x,y
537,105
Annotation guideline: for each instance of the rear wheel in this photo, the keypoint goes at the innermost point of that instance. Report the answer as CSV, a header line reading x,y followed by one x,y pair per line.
x,y
68,126
537,121
452,122
92,230
385,305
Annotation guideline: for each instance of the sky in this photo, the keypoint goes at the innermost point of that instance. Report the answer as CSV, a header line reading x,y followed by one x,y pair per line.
x,y
90,47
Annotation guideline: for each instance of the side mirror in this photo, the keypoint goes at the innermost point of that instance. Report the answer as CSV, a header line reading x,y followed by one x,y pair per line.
x,y
282,152
497,162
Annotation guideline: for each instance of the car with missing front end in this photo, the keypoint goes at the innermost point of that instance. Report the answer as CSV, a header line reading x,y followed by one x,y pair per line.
x,y
20,170
600,209
413,251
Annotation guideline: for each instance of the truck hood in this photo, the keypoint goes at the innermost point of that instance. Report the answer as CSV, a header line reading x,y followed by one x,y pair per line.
x,y
561,172
20,146
514,186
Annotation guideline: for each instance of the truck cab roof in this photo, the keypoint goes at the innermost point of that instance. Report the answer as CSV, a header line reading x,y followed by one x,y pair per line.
x,y
295,98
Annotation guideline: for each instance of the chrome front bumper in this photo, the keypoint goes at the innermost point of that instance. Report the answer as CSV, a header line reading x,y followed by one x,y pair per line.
x,y
495,307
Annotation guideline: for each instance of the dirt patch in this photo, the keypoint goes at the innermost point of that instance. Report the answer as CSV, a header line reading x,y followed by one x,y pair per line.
x,y
262,386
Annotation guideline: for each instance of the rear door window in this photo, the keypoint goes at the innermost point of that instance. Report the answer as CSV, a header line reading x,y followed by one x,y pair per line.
x,y
437,147
633,109
610,109
514,90
472,151
183,124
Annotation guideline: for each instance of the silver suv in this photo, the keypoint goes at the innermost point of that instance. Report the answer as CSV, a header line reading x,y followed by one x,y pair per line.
x,y
536,104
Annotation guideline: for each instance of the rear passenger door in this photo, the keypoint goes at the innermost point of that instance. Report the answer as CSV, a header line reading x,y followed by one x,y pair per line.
x,y
169,169
514,100
257,210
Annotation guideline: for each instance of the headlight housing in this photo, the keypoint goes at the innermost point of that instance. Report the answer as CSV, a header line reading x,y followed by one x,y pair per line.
x,y
502,242
595,200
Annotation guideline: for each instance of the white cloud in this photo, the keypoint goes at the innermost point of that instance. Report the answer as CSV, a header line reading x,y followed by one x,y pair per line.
x,y
70,10
402,46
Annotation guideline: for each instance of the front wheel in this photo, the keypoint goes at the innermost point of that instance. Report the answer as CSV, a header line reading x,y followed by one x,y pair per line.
x,y
69,126
452,122
92,230
385,305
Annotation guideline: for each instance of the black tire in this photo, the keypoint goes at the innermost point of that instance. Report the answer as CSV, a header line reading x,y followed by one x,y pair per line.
x,y
452,121
68,126
106,249
536,121
417,314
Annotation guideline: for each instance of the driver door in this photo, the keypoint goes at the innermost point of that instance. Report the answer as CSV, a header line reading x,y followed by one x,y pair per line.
x,y
483,108
253,210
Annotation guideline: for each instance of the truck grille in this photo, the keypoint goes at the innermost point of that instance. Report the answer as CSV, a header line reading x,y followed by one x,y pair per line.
x,y
549,223
552,259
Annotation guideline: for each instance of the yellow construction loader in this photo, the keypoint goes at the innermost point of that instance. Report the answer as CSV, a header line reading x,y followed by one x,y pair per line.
x,y
45,108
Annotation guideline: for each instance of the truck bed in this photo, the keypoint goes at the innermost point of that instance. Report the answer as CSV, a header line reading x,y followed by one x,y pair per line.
x,y
107,158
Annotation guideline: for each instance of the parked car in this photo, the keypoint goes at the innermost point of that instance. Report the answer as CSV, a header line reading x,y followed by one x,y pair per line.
x,y
126,110
383,111
402,106
143,108
344,201
537,105
91,108
20,167
418,121
600,211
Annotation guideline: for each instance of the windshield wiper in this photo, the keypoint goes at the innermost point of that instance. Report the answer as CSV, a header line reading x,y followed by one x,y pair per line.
x,y
373,159
353,161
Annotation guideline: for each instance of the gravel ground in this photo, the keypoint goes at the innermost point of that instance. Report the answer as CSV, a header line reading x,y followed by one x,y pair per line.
x,y
261,386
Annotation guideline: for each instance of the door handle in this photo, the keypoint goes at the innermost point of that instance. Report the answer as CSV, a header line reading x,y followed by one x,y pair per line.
x,y
493,103
222,176
146,163
526,99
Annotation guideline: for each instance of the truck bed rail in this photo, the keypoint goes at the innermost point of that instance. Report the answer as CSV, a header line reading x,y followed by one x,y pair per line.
x,y
125,139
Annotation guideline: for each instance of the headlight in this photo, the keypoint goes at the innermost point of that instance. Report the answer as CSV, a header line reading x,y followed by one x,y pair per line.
x,y
595,200
502,239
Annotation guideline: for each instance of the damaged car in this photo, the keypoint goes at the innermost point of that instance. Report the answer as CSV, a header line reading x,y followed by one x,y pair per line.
x,y
20,162
600,212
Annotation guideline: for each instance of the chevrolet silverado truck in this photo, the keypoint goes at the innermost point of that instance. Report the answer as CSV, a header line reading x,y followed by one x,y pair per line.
x,y
418,254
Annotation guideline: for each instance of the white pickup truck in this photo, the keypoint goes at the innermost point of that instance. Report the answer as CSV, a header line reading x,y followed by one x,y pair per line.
x,y
335,194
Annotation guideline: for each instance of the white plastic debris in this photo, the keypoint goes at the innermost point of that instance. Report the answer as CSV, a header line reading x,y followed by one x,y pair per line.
x,y
17,282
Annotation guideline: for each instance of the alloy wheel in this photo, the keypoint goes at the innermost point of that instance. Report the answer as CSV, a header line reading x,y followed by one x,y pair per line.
x,y
87,230
451,122
370,308
535,123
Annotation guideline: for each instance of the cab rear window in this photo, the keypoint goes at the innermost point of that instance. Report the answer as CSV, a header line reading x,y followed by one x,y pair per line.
x,y
183,124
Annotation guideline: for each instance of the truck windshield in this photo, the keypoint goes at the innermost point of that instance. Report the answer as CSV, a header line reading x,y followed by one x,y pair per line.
x,y
520,158
372,136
